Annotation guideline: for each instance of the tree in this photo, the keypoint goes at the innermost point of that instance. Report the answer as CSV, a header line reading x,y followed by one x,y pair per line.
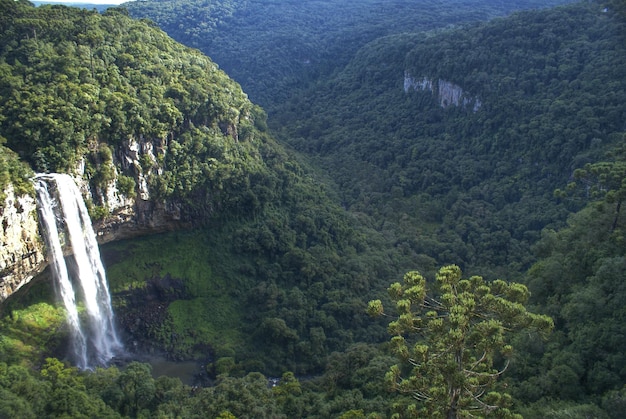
x,y
601,180
607,179
138,387
453,348
68,395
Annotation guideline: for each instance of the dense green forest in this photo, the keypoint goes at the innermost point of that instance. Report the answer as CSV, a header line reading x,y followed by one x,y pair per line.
x,y
520,178
275,47
475,185
457,183
273,278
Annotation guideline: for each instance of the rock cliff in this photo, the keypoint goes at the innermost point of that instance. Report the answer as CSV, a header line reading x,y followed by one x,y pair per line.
x,y
21,249
154,134
135,212
447,93
129,214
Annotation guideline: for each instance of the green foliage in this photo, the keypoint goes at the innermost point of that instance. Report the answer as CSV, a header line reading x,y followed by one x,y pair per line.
x,y
28,334
75,85
57,391
127,186
14,172
301,42
253,290
450,345
454,185
577,282
104,171
203,311
606,179
97,212
247,397
137,387
24,395
68,396
562,410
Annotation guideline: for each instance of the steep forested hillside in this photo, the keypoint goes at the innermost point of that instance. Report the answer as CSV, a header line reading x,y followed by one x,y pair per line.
x,y
274,47
468,178
579,281
453,144
273,278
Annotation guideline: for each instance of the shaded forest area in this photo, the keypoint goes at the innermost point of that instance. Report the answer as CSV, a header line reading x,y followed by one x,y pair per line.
x,y
451,183
274,48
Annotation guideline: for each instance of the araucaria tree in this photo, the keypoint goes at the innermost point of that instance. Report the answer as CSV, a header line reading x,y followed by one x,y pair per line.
x,y
454,347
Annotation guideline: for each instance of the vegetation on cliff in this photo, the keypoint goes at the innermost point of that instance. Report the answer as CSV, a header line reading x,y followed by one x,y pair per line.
x,y
75,85
13,171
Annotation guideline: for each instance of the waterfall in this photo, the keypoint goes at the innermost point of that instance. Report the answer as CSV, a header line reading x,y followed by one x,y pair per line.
x,y
65,222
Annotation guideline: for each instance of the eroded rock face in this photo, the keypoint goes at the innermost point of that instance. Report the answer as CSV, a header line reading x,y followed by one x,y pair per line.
x,y
21,248
145,217
22,252
141,214
447,93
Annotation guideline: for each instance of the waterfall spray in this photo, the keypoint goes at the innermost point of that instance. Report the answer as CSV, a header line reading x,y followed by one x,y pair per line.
x,y
65,221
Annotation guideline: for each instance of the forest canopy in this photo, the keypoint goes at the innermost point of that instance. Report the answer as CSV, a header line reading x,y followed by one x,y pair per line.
x,y
375,173
274,48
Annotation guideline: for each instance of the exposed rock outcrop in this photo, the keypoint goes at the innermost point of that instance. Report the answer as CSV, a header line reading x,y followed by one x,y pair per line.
x,y
134,213
139,213
447,93
21,249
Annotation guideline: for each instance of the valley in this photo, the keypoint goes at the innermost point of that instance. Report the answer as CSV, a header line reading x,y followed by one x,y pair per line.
x,y
393,137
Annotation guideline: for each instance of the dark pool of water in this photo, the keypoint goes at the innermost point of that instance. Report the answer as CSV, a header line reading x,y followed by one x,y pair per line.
x,y
191,373
187,371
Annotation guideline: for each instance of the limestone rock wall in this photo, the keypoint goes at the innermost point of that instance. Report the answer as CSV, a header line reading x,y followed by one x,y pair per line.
x,y
447,93
21,248
22,252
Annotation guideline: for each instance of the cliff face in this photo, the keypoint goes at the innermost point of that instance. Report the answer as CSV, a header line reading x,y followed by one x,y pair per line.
x,y
447,93
137,213
154,134
22,253
21,250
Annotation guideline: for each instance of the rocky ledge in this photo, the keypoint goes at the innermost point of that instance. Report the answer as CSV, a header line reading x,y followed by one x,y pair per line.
x,y
22,253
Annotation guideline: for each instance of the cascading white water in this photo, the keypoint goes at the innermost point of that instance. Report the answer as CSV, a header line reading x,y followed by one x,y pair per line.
x,y
64,214
59,268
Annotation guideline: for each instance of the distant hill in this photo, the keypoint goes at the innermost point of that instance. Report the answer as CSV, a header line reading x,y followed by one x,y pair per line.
x,y
458,140
86,5
273,47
